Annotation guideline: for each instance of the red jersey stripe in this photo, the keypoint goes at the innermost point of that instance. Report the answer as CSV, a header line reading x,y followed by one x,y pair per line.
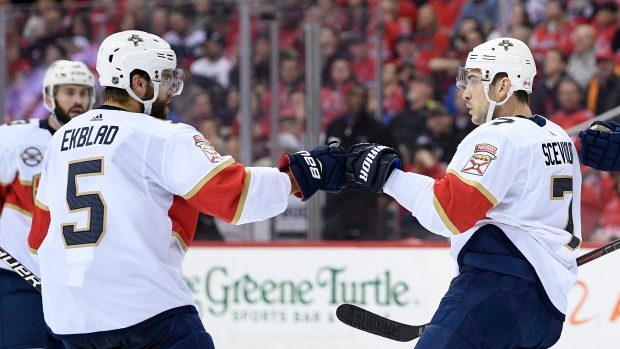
x,y
40,225
184,220
19,197
223,195
208,177
461,202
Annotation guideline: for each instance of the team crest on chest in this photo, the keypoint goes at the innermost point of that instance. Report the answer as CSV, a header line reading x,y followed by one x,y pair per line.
x,y
480,161
208,149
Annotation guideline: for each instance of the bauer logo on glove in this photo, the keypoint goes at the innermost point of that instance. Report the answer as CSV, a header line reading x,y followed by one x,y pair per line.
x,y
322,168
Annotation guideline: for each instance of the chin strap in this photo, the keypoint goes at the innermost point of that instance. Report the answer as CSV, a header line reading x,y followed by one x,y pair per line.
x,y
492,103
148,105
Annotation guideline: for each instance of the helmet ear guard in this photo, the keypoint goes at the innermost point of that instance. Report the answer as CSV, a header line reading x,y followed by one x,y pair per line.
x,y
123,52
64,72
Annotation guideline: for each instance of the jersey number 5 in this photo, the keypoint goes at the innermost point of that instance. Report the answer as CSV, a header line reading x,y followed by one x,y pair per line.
x,y
560,186
92,202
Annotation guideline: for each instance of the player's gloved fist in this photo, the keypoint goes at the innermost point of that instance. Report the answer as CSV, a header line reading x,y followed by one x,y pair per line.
x,y
600,146
370,164
321,168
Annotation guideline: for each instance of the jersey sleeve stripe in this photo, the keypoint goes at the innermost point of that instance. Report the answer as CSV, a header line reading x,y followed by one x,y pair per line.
x,y
460,202
40,205
178,237
38,231
484,191
207,178
18,209
222,196
444,218
244,195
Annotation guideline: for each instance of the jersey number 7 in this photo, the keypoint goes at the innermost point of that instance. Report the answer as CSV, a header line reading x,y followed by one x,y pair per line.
x,y
560,186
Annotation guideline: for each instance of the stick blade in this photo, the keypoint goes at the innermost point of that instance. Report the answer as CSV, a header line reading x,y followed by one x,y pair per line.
x,y
364,320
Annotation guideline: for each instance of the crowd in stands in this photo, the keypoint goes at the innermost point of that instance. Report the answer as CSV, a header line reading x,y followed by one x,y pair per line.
x,y
576,45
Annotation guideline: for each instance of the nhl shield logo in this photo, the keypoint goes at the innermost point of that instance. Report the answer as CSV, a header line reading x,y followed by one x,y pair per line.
x,y
208,149
480,160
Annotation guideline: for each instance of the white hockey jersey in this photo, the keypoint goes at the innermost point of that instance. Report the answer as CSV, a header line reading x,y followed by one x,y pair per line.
x,y
519,174
22,144
117,208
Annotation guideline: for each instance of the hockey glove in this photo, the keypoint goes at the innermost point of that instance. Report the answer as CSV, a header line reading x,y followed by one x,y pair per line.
x,y
370,164
600,146
321,168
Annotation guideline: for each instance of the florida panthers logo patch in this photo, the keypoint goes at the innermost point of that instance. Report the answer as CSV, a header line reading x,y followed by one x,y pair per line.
x,y
480,161
208,149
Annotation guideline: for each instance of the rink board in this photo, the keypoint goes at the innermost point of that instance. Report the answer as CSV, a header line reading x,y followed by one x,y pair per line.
x,y
285,296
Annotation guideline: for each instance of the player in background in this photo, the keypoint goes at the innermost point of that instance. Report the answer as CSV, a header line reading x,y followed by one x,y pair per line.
x,y
509,202
68,91
600,146
119,198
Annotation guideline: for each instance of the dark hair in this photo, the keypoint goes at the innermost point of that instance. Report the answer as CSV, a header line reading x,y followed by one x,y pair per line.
x,y
119,95
520,95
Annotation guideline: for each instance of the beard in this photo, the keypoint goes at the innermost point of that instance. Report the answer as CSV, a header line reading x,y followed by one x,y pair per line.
x,y
61,115
159,108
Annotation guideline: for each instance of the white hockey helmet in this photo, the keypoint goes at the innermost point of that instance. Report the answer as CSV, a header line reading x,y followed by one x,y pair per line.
x,y
63,72
123,52
507,55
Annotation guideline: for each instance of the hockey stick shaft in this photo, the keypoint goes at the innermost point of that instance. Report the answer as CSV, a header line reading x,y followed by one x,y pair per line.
x,y
599,252
20,269
370,322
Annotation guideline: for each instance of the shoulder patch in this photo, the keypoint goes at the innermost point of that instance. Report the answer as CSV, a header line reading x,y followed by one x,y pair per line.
x,y
480,160
207,148
31,156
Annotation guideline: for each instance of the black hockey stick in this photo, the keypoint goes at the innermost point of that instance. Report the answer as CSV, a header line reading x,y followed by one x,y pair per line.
x,y
370,322
365,320
20,269
599,252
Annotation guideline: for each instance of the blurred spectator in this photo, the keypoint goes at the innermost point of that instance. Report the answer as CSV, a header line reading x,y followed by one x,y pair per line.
x,y
103,19
208,127
333,95
158,21
355,17
582,63
129,21
404,51
545,101
393,96
351,214
485,12
462,118
604,89
409,124
202,109
297,101
448,11
362,64
330,48
213,67
187,41
609,223
554,32
430,40
521,32
426,161
571,111
291,79
605,24
598,192
441,129
326,12
518,17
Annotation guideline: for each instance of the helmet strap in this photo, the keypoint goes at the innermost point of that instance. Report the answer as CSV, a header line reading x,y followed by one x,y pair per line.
x,y
148,105
492,103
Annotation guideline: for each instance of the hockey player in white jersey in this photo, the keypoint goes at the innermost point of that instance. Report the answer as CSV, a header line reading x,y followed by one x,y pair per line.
x,y
119,198
68,91
510,203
